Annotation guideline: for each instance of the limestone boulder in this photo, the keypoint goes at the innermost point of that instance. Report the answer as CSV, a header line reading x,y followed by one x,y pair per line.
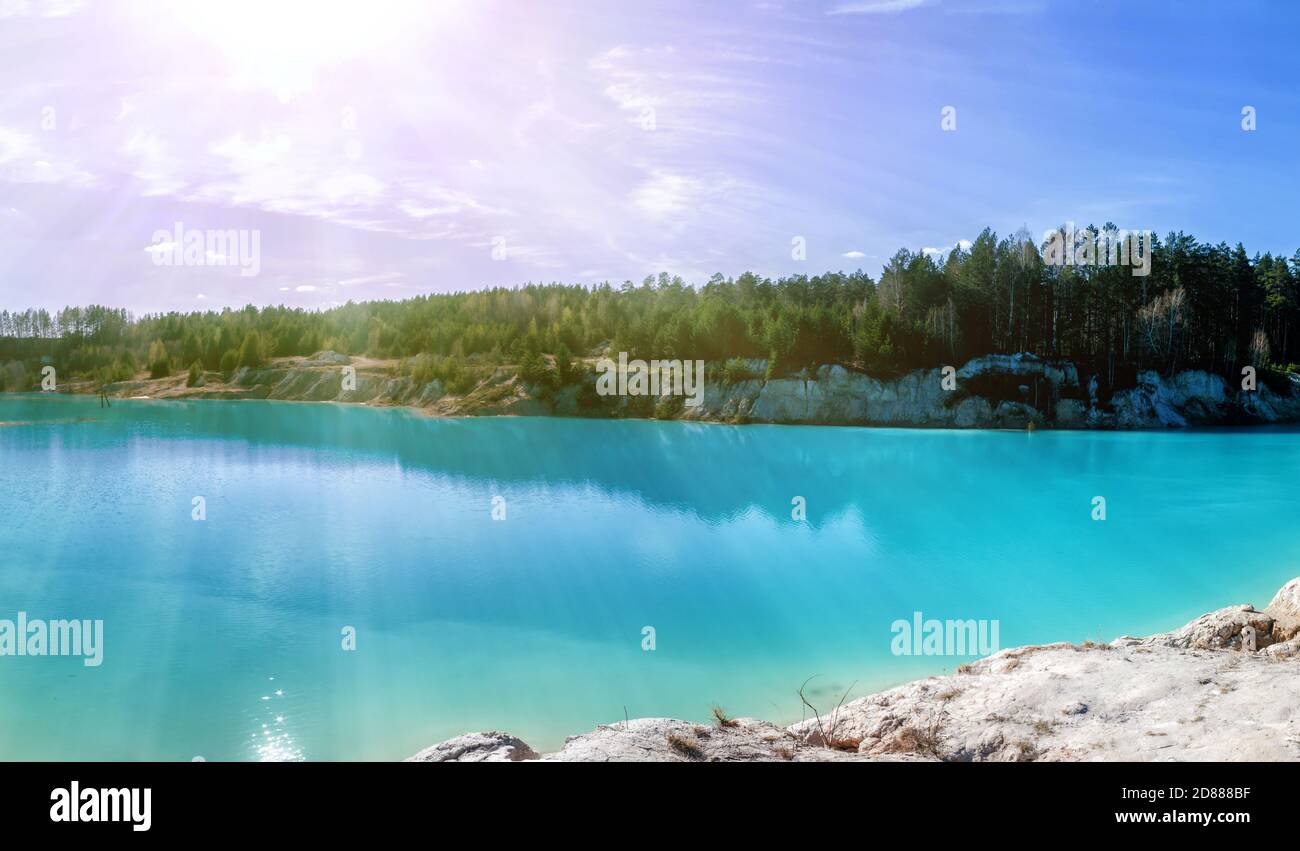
x,y
493,746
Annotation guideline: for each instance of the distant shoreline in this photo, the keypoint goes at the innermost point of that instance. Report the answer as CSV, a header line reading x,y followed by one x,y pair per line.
x,y
433,415
996,392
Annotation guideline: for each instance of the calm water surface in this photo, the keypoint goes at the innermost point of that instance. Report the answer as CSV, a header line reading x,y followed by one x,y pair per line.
x,y
223,637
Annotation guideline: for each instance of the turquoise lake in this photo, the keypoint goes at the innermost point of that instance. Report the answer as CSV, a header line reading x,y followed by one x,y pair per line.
x,y
223,637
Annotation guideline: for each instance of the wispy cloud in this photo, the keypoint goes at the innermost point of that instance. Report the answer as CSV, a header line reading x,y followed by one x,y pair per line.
x,y
875,7
39,8
673,195
27,161
540,142
371,279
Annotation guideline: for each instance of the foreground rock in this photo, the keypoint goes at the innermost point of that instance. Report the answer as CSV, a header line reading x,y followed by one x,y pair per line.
x,y
657,740
477,747
1190,694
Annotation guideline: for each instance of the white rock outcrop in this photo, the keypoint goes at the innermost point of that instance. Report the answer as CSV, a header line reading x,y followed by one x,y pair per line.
x,y
1284,608
993,391
477,747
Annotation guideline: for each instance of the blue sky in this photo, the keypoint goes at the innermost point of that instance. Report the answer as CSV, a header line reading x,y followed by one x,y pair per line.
x,y
394,147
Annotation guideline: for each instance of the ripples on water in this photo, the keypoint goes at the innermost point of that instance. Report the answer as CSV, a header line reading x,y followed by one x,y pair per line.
x,y
273,740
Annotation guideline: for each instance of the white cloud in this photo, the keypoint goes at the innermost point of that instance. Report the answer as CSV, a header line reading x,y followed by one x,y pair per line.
x,y
153,164
371,279
274,174
27,162
39,8
660,92
669,193
244,156
666,194
442,197
853,254
15,145
417,211
305,288
875,7
349,189
942,253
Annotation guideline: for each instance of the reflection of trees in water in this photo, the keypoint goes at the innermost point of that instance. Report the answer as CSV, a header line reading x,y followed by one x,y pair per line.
x,y
714,472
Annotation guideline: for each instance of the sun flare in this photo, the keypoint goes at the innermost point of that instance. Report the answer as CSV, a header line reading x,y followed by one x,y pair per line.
x,y
282,46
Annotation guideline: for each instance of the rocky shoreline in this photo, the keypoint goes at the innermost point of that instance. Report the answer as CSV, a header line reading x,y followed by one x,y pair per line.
x,y
994,391
1197,693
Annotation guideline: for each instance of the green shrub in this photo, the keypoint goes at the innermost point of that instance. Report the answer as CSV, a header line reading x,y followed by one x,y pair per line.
x,y
14,377
735,370
252,352
666,407
457,378
160,363
533,369
565,369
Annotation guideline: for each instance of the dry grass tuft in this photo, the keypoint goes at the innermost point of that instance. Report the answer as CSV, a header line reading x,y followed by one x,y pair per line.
x,y
923,736
685,745
826,734
720,715
850,744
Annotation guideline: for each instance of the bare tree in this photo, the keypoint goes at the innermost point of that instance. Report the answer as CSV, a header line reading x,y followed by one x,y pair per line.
x,y
1259,349
1159,322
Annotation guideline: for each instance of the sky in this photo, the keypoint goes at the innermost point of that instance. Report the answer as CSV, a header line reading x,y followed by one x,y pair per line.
x,y
389,148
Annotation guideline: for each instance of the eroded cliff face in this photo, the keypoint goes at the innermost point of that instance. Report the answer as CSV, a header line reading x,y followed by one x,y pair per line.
x,y
995,391
834,395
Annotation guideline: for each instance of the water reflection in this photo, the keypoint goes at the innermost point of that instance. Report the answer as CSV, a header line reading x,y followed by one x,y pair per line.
x,y
715,472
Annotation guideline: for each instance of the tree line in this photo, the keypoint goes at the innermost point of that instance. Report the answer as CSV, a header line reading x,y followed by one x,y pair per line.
x,y
1203,306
